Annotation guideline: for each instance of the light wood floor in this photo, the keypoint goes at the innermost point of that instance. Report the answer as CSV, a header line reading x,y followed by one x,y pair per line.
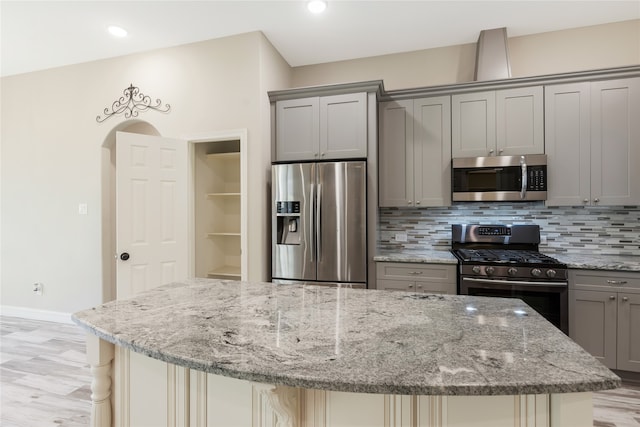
x,y
44,380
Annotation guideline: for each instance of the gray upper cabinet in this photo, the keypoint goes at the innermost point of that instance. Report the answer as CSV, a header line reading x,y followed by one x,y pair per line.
x,y
592,132
415,152
322,128
298,129
504,122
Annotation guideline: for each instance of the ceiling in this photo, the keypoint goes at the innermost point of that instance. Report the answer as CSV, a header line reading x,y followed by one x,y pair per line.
x,y
37,35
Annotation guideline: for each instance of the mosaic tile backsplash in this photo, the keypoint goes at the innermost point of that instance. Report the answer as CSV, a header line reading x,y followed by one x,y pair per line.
x,y
581,230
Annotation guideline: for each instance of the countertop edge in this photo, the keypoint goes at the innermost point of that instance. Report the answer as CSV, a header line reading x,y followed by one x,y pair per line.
x,y
449,390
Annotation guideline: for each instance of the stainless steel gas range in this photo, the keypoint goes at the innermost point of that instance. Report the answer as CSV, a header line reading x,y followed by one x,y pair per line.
x,y
504,261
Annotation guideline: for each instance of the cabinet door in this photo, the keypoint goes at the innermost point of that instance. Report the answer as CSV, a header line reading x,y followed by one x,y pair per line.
x,y
432,151
567,144
520,121
395,151
629,332
615,147
343,126
473,117
297,129
592,323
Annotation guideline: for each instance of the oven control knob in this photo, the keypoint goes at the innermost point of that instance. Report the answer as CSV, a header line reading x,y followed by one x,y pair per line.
x,y
551,273
512,271
536,272
489,270
476,269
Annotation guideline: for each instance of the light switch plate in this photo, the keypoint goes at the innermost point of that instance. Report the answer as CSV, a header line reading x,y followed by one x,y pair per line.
x,y
82,209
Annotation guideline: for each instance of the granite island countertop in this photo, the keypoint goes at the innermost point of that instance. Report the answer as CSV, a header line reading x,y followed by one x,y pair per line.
x,y
353,340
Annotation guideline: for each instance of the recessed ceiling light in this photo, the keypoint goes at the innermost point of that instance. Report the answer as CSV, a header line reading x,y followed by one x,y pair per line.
x,y
317,6
116,31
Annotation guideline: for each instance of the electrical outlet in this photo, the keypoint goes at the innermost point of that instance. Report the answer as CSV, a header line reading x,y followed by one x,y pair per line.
x,y
38,288
401,237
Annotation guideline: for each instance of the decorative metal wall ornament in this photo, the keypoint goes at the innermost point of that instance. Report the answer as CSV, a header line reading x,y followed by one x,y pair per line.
x,y
131,103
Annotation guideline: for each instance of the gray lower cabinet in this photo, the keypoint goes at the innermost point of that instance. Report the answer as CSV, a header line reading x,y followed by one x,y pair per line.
x,y
591,141
604,316
321,127
415,152
416,277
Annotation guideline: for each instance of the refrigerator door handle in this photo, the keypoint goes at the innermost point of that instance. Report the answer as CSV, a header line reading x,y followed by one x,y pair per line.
x,y
312,225
319,222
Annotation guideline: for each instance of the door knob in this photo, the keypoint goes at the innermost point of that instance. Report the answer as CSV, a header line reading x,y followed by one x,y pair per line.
x,y
625,299
611,297
124,256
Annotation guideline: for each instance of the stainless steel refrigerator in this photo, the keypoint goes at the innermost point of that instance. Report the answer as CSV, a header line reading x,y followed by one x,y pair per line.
x,y
319,224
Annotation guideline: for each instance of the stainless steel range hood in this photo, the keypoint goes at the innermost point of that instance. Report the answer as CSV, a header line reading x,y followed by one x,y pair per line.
x,y
492,55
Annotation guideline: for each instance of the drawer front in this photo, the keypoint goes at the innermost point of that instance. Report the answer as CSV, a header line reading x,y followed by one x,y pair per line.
x,y
417,286
604,280
417,272
395,285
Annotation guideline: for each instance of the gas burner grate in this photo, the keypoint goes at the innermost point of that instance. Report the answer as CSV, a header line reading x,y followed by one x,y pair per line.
x,y
501,256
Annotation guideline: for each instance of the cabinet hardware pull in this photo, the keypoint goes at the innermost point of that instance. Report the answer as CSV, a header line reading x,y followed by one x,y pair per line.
x,y
596,200
625,299
415,272
611,297
617,282
585,201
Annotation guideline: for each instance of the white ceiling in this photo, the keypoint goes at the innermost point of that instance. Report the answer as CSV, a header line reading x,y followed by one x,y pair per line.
x,y
37,35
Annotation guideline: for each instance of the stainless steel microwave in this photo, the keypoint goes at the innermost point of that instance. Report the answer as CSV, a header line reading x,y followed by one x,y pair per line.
x,y
499,178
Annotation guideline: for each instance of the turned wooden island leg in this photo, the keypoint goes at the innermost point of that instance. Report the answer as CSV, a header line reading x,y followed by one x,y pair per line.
x,y
100,357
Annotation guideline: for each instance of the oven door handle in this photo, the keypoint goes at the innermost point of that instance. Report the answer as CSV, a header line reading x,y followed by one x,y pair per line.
x,y
515,282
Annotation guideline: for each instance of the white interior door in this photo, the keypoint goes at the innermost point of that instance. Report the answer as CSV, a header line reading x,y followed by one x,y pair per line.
x,y
151,212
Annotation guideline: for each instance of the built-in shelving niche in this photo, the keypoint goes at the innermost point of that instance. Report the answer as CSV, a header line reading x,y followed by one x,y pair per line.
x,y
217,208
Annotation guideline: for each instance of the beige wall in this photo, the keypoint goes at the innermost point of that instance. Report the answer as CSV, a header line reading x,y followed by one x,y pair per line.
x,y
52,155
601,46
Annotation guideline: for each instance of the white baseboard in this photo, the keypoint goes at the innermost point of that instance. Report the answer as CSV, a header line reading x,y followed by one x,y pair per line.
x,y
36,314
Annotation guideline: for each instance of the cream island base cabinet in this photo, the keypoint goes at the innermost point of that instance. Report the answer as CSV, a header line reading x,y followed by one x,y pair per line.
x,y
131,389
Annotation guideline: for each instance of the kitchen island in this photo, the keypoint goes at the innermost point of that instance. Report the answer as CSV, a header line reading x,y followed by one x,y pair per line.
x,y
211,352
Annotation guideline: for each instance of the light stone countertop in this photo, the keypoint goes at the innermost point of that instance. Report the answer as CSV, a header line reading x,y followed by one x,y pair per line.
x,y
353,340
599,262
435,256
579,261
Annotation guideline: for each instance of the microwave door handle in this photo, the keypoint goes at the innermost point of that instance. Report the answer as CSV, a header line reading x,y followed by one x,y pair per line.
x,y
523,167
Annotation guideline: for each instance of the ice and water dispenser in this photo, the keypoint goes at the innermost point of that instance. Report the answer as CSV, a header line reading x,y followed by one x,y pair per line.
x,y
288,223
